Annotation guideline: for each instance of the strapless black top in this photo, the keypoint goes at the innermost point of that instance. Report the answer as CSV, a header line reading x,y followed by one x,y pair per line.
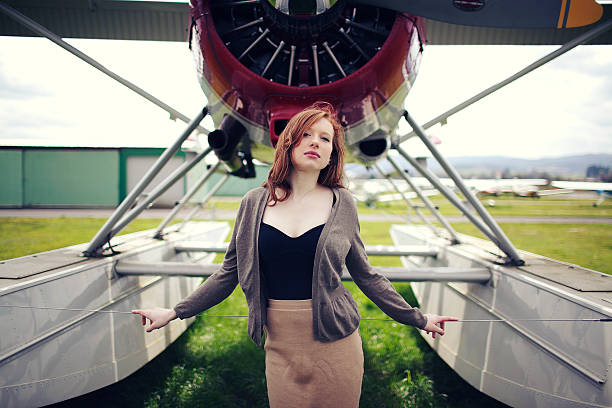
x,y
286,263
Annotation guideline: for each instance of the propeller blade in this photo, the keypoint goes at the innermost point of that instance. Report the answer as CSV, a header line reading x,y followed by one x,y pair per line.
x,y
500,13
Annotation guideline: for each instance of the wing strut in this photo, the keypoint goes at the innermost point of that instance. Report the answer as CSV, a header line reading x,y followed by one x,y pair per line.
x,y
124,214
206,198
44,32
181,203
116,223
581,39
426,201
486,224
416,209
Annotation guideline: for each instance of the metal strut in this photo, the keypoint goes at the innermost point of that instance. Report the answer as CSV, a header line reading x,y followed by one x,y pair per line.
x,y
371,250
450,196
181,203
106,232
44,32
212,192
395,274
432,208
490,227
160,189
581,39
416,209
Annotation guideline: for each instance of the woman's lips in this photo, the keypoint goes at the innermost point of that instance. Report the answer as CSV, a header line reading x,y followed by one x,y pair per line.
x,y
312,154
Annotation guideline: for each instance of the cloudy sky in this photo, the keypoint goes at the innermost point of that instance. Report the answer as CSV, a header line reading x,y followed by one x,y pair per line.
x,y
48,97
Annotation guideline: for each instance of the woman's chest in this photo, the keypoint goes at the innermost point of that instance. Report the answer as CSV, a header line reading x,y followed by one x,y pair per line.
x,y
294,220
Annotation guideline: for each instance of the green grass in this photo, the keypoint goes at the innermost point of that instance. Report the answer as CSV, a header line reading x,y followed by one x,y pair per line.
x,y
221,203
214,363
24,236
587,245
508,206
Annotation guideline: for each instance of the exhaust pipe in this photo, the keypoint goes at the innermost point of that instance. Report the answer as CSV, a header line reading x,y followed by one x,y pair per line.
x,y
373,147
231,145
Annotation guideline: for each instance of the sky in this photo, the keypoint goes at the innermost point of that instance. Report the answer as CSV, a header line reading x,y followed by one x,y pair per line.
x,y
50,98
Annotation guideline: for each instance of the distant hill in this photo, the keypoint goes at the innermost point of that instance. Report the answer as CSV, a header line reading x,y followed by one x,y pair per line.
x,y
489,166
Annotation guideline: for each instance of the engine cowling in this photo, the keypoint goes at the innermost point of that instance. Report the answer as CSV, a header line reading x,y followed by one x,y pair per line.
x,y
300,47
276,62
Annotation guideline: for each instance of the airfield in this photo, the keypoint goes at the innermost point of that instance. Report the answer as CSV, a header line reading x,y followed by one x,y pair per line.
x,y
526,361
195,368
572,214
222,208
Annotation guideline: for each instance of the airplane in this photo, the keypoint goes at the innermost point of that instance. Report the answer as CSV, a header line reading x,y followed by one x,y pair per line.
x,y
603,190
603,195
368,186
258,63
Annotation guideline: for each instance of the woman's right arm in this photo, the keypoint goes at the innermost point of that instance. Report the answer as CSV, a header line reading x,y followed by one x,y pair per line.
x,y
214,290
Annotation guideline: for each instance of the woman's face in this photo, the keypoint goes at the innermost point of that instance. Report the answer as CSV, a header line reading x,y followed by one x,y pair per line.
x,y
313,152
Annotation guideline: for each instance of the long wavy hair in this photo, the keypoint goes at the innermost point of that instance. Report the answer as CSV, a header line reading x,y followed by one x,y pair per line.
x,y
330,176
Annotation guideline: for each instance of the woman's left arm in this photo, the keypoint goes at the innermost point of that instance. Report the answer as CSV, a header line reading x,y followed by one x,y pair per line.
x,y
380,290
377,287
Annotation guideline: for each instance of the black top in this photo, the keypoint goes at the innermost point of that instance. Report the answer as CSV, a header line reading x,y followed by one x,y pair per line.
x,y
286,263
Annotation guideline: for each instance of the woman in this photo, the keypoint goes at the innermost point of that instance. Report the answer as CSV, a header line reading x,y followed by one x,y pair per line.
x,y
291,241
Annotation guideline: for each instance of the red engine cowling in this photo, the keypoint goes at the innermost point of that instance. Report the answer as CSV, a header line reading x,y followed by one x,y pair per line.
x,y
261,66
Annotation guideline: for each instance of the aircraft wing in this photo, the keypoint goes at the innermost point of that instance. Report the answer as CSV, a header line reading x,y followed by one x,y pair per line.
x,y
384,198
583,185
102,19
440,33
169,21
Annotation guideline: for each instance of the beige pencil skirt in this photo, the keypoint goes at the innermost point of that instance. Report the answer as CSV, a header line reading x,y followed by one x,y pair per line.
x,y
303,372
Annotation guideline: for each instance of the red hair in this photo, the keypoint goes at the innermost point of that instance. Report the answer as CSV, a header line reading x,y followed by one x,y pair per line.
x,y
330,176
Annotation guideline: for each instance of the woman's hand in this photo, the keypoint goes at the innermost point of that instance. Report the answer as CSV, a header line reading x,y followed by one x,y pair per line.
x,y
435,324
158,317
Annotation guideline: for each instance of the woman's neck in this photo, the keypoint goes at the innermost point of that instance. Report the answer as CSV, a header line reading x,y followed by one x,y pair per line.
x,y
302,183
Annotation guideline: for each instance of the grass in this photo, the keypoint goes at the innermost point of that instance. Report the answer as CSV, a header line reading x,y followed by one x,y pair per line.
x,y
24,236
587,245
214,363
509,206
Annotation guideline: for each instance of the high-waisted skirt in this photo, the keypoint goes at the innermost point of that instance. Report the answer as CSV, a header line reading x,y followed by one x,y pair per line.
x,y
304,372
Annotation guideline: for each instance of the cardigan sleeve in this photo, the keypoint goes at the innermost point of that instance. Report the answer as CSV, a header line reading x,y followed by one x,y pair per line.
x,y
376,286
218,286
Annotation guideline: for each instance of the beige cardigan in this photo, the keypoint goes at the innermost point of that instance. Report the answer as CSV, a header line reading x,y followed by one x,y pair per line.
x,y
335,313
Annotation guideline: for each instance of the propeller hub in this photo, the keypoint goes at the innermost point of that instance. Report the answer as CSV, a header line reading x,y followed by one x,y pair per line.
x,y
302,19
302,8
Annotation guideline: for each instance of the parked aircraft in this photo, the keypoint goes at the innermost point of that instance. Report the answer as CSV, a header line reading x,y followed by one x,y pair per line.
x,y
603,195
603,190
259,62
